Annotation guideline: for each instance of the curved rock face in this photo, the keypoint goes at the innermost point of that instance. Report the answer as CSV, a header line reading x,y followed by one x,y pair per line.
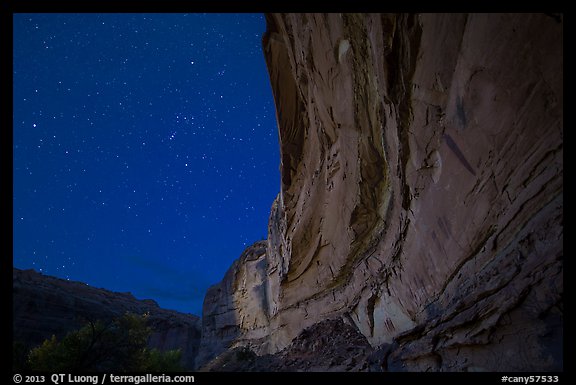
x,y
422,189
46,306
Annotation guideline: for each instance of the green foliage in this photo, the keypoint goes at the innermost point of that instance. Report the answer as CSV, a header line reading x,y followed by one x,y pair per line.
x,y
119,345
157,361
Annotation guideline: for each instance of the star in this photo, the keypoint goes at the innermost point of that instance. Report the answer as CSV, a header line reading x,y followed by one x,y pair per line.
x,y
131,134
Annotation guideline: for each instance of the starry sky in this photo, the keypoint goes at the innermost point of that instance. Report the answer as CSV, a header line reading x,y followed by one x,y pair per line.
x,y
145,151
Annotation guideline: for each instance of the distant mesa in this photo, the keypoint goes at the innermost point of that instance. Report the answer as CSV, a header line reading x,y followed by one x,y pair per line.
x,y
46,306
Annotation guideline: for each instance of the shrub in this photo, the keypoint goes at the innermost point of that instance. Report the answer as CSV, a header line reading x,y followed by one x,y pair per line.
x,y
118,345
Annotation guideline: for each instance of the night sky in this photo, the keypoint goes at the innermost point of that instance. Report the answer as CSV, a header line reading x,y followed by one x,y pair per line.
x,y
145,149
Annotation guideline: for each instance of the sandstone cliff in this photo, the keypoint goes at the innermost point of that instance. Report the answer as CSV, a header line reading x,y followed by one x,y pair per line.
x,y
421,194
45,306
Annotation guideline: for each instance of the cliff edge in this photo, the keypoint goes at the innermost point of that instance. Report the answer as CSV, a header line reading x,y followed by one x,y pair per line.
x,y
421,197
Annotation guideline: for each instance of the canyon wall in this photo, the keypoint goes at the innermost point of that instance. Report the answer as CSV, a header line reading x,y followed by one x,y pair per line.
x,y
45,306
421,196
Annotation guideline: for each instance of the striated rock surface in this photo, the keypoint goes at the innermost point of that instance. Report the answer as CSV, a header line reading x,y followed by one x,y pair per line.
x,y
421,194
45,306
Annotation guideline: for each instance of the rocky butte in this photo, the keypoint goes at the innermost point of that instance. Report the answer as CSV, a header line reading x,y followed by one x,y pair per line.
x,y
421,200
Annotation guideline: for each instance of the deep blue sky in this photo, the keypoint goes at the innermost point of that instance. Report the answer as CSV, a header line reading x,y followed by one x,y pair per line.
x,y
145,149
